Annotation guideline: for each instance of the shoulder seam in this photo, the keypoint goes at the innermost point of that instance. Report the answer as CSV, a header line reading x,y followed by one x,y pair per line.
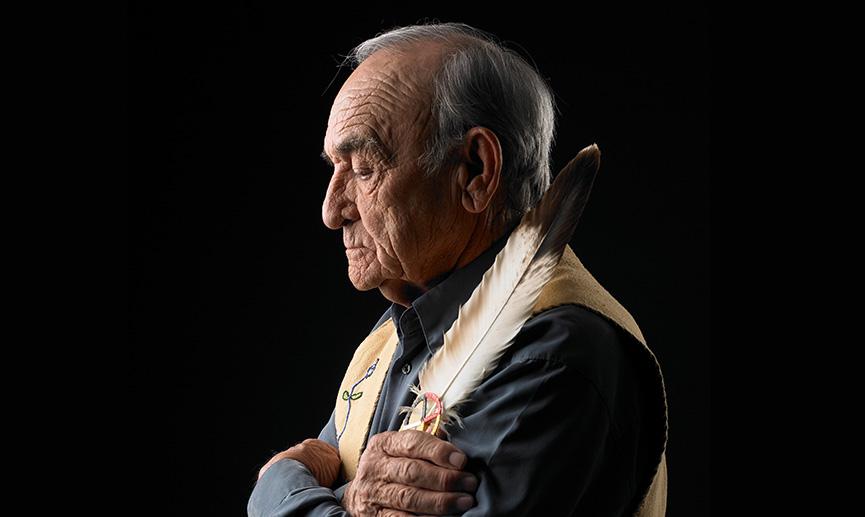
x,y
574,370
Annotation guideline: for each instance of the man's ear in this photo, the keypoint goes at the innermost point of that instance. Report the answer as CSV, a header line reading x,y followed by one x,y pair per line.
x,y
479,170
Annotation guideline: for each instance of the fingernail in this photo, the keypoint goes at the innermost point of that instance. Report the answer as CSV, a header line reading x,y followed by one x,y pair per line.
x,y
457,459
469,483
465,502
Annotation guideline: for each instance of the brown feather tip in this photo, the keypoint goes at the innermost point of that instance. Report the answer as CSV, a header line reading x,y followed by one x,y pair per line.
x,y
581,170
588,157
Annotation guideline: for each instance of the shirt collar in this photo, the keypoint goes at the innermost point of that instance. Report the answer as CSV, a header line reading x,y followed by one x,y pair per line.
x,y
438,308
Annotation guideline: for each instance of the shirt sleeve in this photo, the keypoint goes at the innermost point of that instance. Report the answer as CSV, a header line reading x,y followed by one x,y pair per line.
x,y
289,488
538,430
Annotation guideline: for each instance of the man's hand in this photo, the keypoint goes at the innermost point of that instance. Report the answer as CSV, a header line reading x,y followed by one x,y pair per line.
x,y
320,457
409,472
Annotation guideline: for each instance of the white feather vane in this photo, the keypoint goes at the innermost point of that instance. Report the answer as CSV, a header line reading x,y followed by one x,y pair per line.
x,y
502,302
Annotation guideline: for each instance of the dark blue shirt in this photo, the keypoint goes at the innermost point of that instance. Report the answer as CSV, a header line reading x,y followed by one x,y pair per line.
x,y
553,430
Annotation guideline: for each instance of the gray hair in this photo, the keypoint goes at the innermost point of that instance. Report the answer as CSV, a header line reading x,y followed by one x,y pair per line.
x,y
482,83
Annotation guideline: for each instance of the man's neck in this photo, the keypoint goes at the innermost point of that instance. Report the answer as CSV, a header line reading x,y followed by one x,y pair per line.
x,y
481,239
404,292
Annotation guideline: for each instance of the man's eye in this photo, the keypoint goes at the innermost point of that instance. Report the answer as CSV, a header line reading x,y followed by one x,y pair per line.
x,y
363,173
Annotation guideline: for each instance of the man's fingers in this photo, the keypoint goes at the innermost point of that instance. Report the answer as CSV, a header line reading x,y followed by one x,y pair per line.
x,y
423,474
320,457
419,500
422,446
321,445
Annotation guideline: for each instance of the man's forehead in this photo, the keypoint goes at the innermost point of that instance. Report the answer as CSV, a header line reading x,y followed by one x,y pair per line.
x,y
369,93
363,103
386,87
365,108
355,123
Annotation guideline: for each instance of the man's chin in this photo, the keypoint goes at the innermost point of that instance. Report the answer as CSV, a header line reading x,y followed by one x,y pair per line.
x,y
362,282
363,287
388,288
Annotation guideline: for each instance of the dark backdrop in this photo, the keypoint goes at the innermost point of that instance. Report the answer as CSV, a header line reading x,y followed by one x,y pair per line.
x,y
242,318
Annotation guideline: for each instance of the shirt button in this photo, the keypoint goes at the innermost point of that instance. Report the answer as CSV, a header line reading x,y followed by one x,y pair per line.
x,y
406,368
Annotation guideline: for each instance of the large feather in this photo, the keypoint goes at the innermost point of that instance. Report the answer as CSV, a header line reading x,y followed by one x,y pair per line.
x,y
499,306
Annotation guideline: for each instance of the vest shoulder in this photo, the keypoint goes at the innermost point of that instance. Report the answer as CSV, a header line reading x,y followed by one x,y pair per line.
x,y
587,344
573,335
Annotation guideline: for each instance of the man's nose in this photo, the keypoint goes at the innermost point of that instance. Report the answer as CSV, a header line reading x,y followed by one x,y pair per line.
x,y
338,208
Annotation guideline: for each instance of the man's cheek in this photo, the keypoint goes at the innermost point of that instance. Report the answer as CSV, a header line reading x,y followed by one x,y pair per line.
x,y
377,230
369,220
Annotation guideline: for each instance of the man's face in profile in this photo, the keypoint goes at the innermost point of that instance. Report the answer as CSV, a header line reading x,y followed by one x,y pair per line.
x,y
396,220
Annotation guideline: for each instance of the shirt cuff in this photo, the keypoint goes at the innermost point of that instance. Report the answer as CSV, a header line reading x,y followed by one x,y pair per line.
x,y
339,492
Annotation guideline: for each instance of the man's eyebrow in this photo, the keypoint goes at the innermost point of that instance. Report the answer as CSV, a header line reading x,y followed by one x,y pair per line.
x,y
356,144
326,158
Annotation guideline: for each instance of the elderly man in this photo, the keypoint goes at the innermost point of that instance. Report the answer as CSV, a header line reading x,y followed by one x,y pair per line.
x,y
439,142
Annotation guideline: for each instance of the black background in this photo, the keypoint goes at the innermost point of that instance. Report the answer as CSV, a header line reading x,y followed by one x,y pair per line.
x,y
242,318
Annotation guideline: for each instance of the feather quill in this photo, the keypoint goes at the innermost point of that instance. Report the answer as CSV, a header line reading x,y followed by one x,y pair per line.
x,y
502,302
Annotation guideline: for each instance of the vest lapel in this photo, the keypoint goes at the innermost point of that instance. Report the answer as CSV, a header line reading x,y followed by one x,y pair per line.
x,y
359,392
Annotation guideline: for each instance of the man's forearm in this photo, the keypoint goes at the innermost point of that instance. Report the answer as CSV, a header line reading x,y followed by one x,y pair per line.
x,y
289,488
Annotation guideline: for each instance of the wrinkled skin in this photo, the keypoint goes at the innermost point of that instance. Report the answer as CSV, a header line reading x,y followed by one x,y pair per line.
x,y
410,471
403,231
